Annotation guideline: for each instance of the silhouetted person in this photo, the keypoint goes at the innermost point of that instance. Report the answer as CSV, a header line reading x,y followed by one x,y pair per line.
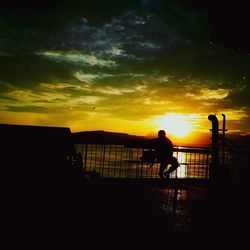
x,y
163,147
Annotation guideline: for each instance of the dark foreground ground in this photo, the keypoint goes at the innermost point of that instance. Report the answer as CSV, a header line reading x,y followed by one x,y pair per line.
x,y
129,213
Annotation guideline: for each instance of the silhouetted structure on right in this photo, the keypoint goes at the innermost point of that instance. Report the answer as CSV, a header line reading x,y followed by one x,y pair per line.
x,y
229,202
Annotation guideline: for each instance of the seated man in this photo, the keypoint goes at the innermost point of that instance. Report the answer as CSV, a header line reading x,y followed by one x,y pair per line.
x,y
164,154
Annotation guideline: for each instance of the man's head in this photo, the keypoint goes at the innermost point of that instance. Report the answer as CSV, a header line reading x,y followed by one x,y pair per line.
x,y
161,133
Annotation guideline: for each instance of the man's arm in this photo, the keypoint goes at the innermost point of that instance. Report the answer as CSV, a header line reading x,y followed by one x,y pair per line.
x,y
170,144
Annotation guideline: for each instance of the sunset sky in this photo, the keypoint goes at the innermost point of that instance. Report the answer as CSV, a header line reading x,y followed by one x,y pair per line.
x,y
123,66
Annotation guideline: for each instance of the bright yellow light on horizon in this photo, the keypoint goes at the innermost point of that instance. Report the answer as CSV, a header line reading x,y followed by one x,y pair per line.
x,y
176,125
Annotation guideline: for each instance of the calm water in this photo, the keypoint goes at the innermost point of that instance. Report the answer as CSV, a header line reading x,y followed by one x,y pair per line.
x,y
121,161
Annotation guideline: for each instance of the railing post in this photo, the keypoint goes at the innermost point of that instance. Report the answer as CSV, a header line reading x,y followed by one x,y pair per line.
x,y
223,139
85,158
141,172
177,151
103,159
215,145
207,167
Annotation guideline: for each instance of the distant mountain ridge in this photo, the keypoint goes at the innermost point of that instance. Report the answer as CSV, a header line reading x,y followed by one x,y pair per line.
x,y
105,137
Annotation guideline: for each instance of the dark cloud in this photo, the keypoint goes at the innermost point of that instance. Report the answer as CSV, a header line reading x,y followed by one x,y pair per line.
x,y
28,70
30,109
152,55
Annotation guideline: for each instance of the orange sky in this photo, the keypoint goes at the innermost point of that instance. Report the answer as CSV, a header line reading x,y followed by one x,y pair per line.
x,y
135,69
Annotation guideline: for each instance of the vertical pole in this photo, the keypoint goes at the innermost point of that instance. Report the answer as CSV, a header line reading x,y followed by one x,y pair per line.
x,y
120,165
85,158
103,159
215,145
115,159
223,139
176,171
142,166
207,166
110,152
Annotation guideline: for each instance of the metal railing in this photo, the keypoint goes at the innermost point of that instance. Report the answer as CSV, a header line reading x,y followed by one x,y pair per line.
x,y
235,160
123,161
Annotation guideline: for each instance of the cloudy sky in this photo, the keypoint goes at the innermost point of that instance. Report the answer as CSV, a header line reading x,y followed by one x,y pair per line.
x,y
124,66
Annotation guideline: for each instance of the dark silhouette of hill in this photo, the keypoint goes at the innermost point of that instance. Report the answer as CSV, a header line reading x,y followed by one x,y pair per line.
x,y
104,137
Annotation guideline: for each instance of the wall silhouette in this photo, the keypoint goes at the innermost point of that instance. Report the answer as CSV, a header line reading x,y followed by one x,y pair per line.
x,y
35,155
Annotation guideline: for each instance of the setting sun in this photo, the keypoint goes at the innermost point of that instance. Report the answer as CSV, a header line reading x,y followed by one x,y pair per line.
x,y
176,125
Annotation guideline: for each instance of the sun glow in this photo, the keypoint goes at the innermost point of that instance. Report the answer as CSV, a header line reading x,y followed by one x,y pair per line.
x,y
176,125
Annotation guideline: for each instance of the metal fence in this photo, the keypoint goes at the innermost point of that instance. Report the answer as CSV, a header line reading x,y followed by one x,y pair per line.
x,y
121,161
236,161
